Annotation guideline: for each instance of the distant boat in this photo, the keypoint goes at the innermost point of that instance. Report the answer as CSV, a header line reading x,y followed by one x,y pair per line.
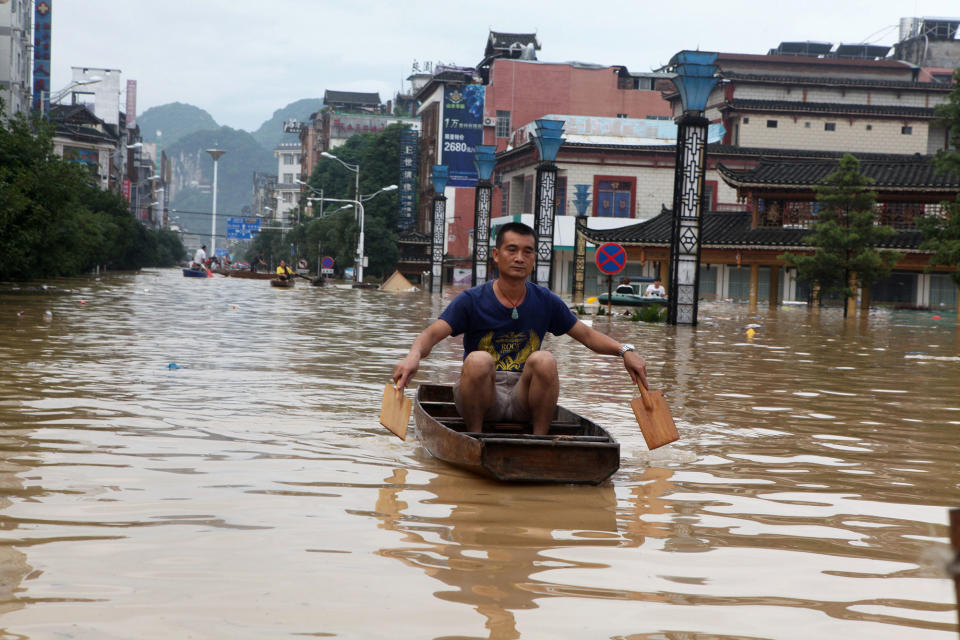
x,y
286,283
197,273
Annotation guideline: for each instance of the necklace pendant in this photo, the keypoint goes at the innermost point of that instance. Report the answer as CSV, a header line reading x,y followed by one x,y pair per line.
x,y
514,315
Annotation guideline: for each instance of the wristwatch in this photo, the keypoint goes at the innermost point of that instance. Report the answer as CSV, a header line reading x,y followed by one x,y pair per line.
x,y
625,348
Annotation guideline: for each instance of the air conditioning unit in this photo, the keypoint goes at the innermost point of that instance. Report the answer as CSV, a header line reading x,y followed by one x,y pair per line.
x,y
489,121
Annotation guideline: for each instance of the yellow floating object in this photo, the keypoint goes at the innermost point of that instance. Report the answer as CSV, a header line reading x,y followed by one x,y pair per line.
x,y
751,333
591,300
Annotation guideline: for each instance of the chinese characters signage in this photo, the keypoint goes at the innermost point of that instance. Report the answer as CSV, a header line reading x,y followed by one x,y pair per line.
x,y
409,141
462,132
42,21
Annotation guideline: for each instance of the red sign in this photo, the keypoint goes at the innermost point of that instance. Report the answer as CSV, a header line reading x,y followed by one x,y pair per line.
x,y
126,189
611,258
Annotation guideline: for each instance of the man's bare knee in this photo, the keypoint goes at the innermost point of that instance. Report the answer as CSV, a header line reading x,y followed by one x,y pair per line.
x,y
478,364
541,363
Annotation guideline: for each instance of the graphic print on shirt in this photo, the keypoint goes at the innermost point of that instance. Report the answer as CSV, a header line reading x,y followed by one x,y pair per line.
x,y
510,350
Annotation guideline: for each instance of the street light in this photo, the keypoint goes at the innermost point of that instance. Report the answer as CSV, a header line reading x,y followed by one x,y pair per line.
x,y
359,203
311,200
350,167
215,154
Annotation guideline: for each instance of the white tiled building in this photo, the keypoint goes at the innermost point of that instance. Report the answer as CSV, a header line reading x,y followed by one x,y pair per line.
x,y
288,172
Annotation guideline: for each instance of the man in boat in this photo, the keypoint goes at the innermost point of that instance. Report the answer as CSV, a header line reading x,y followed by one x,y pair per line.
x,y
257,262
624,286
505,374
200,257
284,272
656,290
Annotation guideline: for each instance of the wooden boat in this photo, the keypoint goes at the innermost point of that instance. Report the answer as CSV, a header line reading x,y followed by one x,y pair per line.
x,y
196,273
251,275
286,284
576,450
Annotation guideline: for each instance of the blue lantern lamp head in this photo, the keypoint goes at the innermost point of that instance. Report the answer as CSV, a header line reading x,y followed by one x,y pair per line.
x,y
548,138
440,175
695,79
580,201
485,159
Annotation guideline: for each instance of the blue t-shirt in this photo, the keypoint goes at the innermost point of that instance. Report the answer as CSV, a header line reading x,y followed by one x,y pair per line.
x,y
488,325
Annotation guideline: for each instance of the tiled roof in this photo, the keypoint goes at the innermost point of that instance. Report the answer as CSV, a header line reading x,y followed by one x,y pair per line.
x,y
765,60
728,230
788,107
912,174
713,149
351,97
831,81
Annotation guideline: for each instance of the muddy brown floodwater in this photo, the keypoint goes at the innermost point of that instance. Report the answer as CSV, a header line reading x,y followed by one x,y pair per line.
x,y
251,493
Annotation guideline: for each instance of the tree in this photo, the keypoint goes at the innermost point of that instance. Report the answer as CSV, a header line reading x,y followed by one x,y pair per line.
x,y
942,233
55,220
378,156
845,236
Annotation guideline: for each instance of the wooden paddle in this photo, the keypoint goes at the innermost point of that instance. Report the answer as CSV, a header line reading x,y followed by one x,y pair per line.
x,y
653,416
395,410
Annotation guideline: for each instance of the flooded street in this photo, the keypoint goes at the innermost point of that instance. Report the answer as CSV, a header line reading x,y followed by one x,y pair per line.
x,y
251,492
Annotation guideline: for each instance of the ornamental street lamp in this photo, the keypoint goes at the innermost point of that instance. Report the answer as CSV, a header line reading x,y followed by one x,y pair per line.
x,y
440,175
695,79
580,245
548,137
215,154
484,159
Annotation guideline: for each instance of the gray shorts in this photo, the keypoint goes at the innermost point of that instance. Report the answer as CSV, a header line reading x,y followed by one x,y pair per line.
x,y
506,404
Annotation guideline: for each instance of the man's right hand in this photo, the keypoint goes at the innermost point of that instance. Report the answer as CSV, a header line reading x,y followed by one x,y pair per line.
x,y
404,370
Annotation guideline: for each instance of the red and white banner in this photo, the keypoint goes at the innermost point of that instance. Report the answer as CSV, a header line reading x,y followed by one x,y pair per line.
x,y
126,189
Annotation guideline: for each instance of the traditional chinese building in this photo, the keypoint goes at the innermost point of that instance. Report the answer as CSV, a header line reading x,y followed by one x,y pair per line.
x,y
740,253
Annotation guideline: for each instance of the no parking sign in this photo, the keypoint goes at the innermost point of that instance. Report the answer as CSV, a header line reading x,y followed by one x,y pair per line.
x,y
611,258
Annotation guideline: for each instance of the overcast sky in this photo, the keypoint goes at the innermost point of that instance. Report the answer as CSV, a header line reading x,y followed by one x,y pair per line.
x,y
243,59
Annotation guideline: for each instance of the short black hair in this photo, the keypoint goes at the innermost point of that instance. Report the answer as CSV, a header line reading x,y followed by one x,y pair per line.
x,y
516,227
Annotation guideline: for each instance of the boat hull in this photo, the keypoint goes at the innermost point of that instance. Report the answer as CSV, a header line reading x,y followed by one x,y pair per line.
x,y
195,273
251,275
632,300
283,284
575,451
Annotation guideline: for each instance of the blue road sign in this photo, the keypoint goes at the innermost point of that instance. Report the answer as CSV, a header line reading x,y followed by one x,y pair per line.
x,y
327,262
611,258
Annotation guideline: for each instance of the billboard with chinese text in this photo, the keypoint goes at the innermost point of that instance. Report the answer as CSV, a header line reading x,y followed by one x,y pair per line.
x,y
462,132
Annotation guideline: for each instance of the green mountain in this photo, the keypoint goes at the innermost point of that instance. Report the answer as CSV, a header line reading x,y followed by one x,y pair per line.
x,y
270,133
168,123
193,175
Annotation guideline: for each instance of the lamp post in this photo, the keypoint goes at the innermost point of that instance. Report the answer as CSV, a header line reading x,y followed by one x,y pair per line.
x,y
484,159
580,244
317,191
350,167
547,138
695,79
215,154
359,204
440,175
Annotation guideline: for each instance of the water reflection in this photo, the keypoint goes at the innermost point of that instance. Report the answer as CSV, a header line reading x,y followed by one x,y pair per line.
x,y
253,490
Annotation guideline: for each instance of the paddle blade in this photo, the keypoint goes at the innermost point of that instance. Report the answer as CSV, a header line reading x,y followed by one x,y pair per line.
x,y
395,410
655,422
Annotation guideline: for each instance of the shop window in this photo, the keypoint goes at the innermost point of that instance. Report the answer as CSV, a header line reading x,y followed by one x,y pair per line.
x,y
746,120
869,127
829,126
613,197
561,195
771,124
906,130
527,194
